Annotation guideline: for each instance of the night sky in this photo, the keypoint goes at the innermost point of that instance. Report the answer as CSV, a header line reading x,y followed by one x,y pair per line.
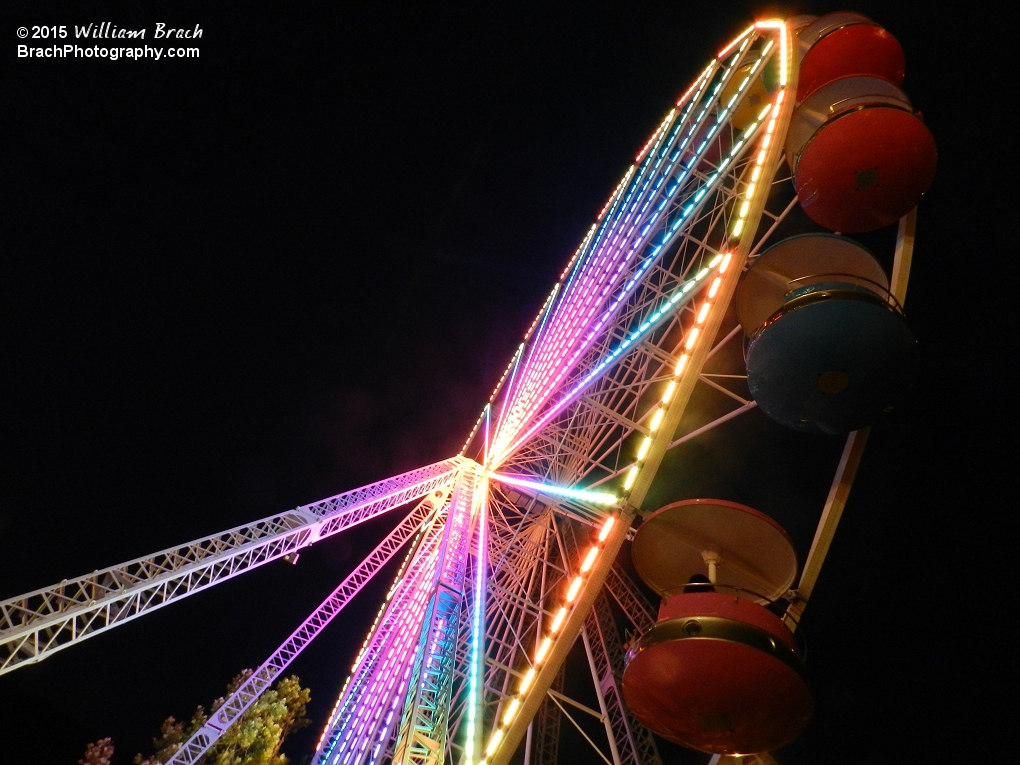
x,y
299,263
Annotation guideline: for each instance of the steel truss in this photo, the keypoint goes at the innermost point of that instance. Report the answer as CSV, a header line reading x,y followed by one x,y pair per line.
x,y
241,699
422,733
584,390
35,625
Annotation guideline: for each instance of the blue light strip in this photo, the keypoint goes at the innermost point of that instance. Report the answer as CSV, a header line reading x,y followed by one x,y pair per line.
x,y
644,328
509,388
594,497
477,634
488,416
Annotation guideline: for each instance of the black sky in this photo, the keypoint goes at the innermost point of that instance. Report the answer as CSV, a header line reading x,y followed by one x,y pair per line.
x,y
299,263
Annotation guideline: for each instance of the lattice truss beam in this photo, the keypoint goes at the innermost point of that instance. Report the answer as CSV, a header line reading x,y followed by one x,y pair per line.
x,y
37,624
417,654
427,687
531,555
659,236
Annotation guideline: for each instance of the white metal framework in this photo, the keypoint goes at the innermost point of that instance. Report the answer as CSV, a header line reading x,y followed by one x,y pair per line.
x,y
513,550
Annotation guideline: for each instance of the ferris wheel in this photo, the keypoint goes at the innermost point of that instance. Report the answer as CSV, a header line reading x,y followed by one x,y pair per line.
x,y
699,275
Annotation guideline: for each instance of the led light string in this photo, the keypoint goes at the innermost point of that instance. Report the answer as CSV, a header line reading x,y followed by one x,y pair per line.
x,y
629,287
667,395
477,626
745,205
673,231
434,640
515,362
332,719
614,197
676,155
515,359
671,192
408,611
586,320
690,342
646,327
565,318
736,40
566,310
398,580
703,311
509,713
402,654
372,704
401,618
583,495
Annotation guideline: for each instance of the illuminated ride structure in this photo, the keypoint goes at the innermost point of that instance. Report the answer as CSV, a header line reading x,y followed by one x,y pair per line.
x,y
510,548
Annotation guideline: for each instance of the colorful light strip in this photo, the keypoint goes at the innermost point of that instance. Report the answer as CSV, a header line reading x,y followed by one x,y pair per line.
x,y
385,694
574,294
510,386
398,581
485,445
495,392
671,233
372,699
643,329
659,412
514,361
542,652
551,372
477,631
577,287
594,497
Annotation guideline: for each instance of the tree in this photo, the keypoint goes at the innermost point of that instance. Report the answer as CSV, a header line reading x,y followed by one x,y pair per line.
x,y
254,739
98,753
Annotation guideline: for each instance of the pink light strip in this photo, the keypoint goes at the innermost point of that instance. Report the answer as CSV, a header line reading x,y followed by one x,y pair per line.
x,y
570,322
566,318
537,400
390,642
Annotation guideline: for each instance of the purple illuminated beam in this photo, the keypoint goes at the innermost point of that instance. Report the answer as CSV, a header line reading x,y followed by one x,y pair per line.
x,y
388,652
35,625
264,676
681,295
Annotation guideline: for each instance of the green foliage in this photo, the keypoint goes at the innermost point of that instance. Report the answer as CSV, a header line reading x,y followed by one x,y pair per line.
x,y
254,739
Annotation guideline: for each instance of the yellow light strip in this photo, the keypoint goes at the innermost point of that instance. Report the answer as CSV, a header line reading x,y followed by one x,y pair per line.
x,y
745,205
721,262
546,643
736,40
